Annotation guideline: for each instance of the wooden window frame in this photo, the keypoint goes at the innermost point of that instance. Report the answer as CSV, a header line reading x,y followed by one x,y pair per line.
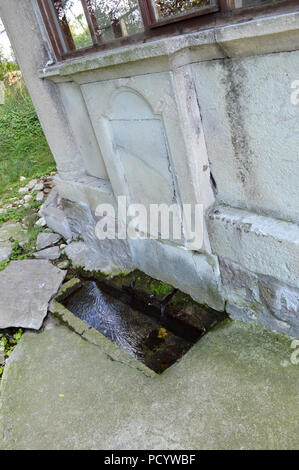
x,y
223,13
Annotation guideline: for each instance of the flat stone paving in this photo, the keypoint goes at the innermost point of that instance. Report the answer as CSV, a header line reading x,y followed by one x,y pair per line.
x,y
26,288
8,231
235,389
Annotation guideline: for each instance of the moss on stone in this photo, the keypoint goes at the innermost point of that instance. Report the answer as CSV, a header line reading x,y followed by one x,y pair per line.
x,y
143,284
68,288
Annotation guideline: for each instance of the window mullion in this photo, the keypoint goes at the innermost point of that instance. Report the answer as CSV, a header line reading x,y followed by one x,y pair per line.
x,y
65,29
91,21
51,29
147,12
224,5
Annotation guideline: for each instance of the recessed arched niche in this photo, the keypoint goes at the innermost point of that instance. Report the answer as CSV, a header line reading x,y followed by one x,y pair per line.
x,y
139,139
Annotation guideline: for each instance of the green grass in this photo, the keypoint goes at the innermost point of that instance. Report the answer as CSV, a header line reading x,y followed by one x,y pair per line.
x,y
24,150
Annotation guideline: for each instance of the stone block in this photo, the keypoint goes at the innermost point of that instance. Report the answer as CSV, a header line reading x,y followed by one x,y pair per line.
x,y
262,245
194,273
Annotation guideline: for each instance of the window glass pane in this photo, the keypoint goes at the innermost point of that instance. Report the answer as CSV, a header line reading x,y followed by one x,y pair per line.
x,y
180,7
73,23
252,3
85,22
116,18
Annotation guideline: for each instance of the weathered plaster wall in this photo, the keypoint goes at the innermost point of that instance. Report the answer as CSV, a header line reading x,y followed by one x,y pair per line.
x,y
201,118
251,131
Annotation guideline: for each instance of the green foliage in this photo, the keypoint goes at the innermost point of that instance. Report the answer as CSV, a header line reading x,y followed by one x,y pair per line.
x,y
106,12
8,340
3,264
17,252
82,39
160,288
23,147
175,7
6,65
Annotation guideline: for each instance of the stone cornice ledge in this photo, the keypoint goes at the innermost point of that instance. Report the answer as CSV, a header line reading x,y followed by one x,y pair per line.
x,y
271,34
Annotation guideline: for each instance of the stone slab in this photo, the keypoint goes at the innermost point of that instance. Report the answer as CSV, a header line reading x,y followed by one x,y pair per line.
x,y
55,217
14,231
26,288
109,256
44,240
52,253
87,189
235,389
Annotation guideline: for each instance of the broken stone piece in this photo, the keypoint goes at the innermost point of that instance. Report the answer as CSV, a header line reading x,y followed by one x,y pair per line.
x,y
23,190
44,240
13,231
63,264
26,288
52,253
5,250
38,187
31,184
41,222
54,216
40,196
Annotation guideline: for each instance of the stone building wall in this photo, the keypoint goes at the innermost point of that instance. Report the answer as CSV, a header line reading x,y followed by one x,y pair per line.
x,y
214,109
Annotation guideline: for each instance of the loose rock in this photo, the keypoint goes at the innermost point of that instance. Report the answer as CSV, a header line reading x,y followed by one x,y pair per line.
x,y
31,184
38,187
13,231
63,264
41,222
52,253
40,196
44,240
5,251
23,190
26,288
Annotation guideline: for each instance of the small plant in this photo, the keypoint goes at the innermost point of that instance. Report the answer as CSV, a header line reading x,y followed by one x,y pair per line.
x,y
4,264
8,340
160,288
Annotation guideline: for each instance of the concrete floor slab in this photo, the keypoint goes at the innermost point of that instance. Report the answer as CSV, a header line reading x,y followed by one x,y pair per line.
x,y
235,389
